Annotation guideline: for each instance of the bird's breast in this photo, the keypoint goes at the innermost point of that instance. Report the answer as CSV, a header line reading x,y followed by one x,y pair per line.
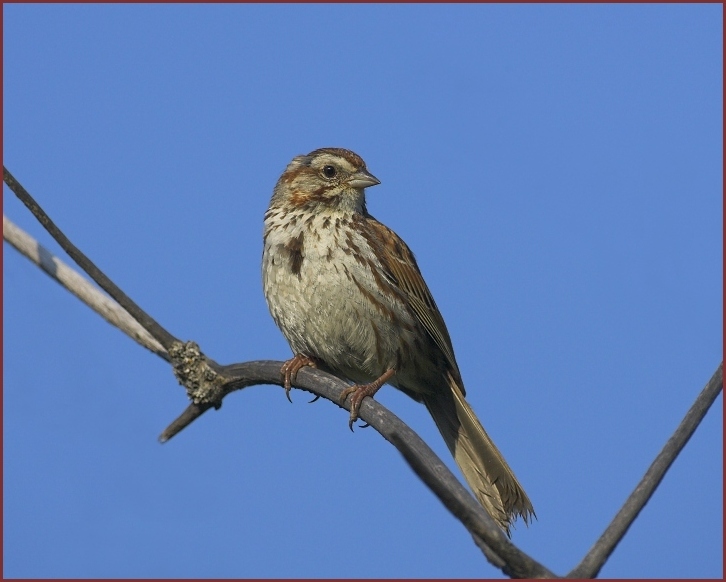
x,y
325,291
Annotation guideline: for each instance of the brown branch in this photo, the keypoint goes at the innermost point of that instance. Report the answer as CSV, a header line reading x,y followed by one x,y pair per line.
x,y
80,287
600,552
146,321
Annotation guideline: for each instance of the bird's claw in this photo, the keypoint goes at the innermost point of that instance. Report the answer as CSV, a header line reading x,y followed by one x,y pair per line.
x,y
359,392
290,369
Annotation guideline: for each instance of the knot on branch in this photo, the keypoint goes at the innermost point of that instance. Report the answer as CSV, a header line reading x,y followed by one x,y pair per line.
x,y
202,383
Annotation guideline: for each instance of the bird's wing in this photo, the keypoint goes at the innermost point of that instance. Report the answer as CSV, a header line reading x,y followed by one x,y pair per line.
x,y
401,269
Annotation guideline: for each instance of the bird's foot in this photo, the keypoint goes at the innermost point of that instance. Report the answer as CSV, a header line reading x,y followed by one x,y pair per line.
x,y
290,369
360,391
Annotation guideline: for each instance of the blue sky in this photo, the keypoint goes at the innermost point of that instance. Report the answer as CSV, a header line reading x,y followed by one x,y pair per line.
x,y
557,171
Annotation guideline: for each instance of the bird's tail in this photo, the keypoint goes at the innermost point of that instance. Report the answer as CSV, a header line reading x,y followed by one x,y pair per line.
x,y
483,466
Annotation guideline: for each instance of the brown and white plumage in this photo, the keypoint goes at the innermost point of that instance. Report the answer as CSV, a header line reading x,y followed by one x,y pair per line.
x,y
348,295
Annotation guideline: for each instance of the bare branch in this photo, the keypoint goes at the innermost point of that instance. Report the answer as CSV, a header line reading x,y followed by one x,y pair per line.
x,y
190,414
80,287
600,552
159,333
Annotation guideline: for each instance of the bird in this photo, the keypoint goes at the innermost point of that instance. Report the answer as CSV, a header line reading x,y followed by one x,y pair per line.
x,y
349,297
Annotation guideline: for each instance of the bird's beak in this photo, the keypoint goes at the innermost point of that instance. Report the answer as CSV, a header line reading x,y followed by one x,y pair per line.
x,y
363,179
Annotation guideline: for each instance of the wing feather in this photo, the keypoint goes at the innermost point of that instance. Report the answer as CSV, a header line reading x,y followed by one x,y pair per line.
x,y
401,269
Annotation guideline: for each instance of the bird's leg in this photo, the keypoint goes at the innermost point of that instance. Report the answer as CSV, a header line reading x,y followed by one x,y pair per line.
x,y
360,391
290,369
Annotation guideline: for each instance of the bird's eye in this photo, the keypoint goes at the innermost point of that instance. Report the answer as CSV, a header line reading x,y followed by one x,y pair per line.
x,y
329,171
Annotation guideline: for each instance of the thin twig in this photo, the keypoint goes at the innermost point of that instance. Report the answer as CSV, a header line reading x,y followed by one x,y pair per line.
x,y
600,552
146,321
190,414
79,286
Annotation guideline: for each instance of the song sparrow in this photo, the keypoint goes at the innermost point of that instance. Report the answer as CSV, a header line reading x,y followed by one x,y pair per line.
x,y
349,297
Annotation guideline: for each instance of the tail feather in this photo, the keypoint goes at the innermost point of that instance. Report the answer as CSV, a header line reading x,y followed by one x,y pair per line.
x,y
490,478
